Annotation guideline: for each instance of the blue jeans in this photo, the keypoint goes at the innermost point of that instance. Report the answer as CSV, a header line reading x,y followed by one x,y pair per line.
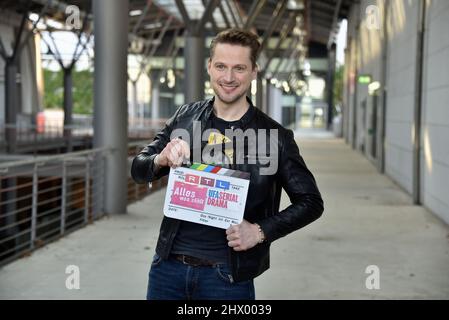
x,y
172,280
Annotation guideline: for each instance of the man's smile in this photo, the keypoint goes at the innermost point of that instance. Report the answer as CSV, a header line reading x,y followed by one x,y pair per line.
x,y
229,88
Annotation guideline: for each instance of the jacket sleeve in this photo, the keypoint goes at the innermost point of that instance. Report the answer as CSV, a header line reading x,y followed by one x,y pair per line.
x,y
143,169
306,202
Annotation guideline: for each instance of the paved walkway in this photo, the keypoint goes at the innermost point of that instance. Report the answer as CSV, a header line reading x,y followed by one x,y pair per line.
x,y
368,220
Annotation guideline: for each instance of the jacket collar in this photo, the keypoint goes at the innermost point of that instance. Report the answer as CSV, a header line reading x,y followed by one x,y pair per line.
x,y
244,120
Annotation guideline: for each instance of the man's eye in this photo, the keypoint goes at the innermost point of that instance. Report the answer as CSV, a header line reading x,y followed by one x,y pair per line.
x,y
240,69
220,67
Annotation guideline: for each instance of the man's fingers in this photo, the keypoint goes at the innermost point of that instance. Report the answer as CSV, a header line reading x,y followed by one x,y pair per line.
x,y
185,148
232,237
236,246
173,160
232,229
175,150
179,150
173,155
234,243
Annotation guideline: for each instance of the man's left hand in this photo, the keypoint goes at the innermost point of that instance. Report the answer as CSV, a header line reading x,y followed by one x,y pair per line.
x,y
243,236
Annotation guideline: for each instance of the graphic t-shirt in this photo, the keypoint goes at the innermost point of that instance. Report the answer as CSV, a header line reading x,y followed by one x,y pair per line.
x,y
199,240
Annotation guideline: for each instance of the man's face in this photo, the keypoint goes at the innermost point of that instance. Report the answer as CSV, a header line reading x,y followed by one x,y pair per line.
x,y
231,72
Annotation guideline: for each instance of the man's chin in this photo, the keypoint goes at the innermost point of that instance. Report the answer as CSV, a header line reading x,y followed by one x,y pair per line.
x,y
229,100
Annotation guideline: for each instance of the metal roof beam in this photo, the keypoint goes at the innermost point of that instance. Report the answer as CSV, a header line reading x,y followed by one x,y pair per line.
x,y
278,13
223,14
284,33
185,15
207,15
334,24
254,12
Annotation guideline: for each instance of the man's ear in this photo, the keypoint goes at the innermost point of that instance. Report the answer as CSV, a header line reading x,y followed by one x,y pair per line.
x,y
254,72
208,66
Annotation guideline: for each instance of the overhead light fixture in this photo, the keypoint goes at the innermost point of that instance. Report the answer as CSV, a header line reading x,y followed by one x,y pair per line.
x,y
306,65
134,13
295,5
153,25
33,17
171,79
373,86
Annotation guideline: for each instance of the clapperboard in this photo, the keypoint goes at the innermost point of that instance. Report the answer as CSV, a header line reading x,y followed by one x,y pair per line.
x,y
207,194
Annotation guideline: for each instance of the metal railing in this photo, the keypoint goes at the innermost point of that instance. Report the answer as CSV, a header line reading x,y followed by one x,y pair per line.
x,y
51,130
28,137
44,198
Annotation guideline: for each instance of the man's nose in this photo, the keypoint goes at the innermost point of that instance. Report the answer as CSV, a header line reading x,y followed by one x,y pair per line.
x,y
229,76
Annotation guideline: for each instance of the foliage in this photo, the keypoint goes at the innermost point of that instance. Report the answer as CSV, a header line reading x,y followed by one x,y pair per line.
x,y
82,90
338,85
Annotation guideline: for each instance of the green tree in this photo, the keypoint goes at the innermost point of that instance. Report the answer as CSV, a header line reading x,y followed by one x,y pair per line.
x,y
338,86
53,95
82,90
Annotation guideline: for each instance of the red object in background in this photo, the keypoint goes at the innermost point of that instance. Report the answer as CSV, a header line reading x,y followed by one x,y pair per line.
x,y
40,122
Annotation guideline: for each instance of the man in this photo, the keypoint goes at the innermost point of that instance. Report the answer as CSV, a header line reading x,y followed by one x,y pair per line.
x,y
195,261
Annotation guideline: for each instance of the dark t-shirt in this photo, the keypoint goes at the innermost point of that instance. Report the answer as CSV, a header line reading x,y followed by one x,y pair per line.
x,y
199,240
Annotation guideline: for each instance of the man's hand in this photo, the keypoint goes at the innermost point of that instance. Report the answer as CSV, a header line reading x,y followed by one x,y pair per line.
x,y
243,236
173,154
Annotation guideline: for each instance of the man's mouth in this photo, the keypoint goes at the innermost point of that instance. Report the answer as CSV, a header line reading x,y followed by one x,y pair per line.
x,y
229,88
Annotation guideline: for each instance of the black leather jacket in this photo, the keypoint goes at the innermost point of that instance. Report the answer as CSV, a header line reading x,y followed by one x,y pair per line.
x,y
262,205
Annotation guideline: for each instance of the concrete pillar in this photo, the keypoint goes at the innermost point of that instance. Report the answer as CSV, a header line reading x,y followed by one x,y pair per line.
x,y
383,102
275,103
194,68
330,85
155,95
134,104
298,112
418,104
265,85
110,97
68,108
260,92
11,105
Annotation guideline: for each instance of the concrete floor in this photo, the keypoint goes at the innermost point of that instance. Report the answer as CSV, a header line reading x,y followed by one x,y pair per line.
x,y
368,220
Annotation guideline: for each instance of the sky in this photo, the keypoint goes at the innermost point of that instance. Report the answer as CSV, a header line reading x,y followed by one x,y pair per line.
x,y
341,42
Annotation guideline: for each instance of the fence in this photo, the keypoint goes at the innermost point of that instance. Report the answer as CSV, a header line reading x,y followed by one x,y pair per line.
x,y
44,198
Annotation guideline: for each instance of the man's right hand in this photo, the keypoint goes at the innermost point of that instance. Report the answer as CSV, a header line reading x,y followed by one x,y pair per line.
x,y
174,154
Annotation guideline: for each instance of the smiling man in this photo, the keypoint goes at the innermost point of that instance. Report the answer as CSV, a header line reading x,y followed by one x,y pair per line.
x,y
231,75
195,261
